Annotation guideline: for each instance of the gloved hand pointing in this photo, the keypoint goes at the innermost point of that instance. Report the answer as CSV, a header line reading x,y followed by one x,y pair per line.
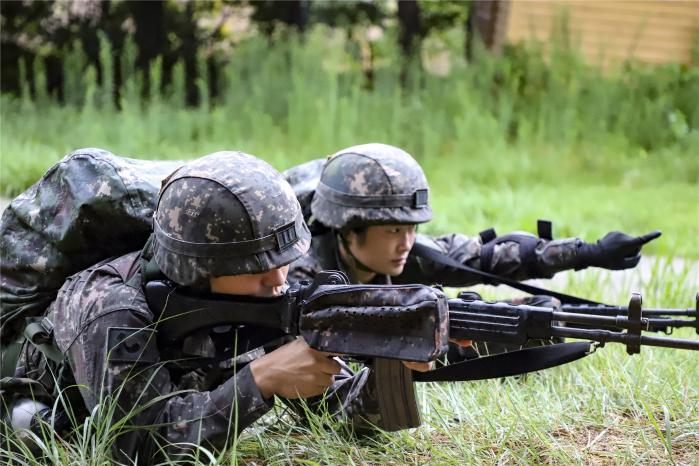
x,y
616,251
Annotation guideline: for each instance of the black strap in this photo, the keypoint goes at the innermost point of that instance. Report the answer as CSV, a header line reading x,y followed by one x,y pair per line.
x,y
508,364
281,239
439,257
488,235
417,199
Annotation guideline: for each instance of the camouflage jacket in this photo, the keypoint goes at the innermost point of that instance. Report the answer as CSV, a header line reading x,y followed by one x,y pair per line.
x,y
93,311
551,256
166,404
506,259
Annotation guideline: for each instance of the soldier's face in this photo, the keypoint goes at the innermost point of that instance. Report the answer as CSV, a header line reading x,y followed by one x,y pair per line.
x,y
263,285
383,248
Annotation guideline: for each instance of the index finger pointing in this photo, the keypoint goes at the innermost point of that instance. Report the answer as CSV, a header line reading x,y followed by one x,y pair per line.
x,y
648,237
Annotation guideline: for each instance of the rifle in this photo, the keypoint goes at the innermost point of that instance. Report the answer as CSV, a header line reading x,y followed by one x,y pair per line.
x,y
405,322
390,323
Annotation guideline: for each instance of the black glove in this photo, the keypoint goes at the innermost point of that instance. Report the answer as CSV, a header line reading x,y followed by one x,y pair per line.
x,y
616,251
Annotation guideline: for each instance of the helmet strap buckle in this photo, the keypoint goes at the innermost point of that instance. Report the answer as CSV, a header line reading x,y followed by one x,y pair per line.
x,y
420,198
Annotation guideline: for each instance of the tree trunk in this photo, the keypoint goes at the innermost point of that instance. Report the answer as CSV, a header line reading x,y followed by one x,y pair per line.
x,y
410,26
150,30
410,35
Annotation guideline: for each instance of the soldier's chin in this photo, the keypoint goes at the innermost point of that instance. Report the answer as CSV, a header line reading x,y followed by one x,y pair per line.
x,y
270,292
396,270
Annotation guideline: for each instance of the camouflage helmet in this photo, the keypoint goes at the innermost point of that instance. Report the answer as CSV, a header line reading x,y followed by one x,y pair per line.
x,y
371,184
228,213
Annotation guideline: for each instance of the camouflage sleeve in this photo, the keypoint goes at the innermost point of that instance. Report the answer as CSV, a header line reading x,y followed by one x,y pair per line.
x,y
148,407
506,259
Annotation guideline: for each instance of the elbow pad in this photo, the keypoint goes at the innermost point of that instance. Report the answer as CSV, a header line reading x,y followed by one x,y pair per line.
x,y
527,248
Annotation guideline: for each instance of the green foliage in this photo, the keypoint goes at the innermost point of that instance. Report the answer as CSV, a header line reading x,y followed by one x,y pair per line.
x,y
178,89
202,82
607,408
132,80
25,91
155,81
40,86
73,71
106,63
504,139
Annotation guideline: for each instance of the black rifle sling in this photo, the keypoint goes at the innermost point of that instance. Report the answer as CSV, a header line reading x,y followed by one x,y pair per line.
x,y
508,364
439,257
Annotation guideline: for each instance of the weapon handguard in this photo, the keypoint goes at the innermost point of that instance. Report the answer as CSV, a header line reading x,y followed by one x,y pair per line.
x,y
501,322
406,322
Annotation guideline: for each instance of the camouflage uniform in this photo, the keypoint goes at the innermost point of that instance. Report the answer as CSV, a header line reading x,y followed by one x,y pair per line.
x,y
224,214
109,296
374,184
552,256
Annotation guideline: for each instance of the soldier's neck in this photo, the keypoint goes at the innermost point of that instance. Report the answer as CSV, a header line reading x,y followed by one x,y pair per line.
x,y
350,263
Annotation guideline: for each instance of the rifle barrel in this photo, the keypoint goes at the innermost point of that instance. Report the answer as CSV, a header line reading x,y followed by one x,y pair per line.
x,y
675,323
620,321
605,336
575,318
622,310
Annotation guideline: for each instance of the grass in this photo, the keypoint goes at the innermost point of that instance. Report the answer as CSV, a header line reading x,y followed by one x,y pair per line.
x,y
608,408
504,141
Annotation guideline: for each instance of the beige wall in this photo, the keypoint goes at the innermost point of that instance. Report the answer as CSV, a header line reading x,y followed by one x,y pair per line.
x,y
651,30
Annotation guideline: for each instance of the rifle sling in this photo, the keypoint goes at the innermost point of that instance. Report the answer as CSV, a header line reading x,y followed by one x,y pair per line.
x,y
439,257
508,364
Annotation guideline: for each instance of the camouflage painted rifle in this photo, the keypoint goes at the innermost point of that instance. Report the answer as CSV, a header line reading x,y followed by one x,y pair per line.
x,y
414,323
407,322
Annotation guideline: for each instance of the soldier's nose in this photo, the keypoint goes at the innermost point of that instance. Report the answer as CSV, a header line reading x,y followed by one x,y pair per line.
x,y
406,242
274,278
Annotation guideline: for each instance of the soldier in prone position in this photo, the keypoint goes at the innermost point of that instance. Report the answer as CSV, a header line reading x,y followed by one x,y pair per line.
x,y
369,201
225,223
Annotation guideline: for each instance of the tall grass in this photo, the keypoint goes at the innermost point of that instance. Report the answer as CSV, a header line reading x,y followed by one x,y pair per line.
x,y
608,408
504,139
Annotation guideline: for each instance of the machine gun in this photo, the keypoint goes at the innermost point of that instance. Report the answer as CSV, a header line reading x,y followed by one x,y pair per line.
x,y
405,322
385,324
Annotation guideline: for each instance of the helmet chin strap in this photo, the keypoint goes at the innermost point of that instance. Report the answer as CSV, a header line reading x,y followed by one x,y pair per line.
x,y
356,262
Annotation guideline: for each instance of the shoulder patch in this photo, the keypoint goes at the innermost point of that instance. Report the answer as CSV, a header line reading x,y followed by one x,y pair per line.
x,y
125,344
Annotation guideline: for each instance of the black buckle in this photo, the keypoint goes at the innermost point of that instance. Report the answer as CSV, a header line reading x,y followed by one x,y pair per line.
x,y
487,235
420,198
286,236
544,229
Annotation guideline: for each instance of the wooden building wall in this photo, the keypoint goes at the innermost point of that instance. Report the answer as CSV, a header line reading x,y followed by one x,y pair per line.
x,y
656,31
